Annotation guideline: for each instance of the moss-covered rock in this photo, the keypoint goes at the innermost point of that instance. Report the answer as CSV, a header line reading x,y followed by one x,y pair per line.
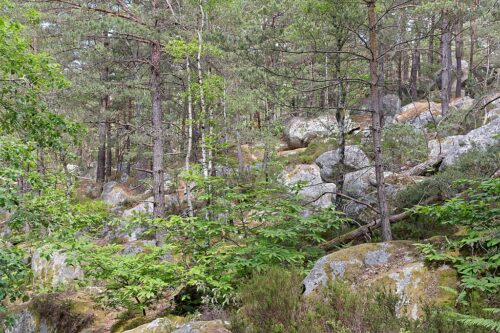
x,y
172,325
396,265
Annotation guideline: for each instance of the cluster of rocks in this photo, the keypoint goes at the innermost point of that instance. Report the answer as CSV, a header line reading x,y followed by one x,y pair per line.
x,y
318,180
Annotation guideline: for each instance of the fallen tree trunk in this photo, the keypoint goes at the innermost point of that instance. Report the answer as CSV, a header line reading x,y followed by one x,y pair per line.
x,y
427,167
368,228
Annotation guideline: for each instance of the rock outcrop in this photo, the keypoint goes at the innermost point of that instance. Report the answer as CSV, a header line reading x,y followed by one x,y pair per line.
x,y
113,194
313,189
329,163
391,104
454,146
167,325
419,114
397,265
299,132
54,271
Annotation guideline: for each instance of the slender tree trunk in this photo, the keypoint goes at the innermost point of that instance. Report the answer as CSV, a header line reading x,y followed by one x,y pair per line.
x,y
101,154
118,152
109,153
458,57
415,62
189,149
473,37
340,117
376,117
445,64
157,126
430,54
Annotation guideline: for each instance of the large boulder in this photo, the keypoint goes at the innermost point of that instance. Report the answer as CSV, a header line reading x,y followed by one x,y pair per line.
x,y
299,132
312,190
54,269
146,206
460,103
454,146
212,326
419,114
167,325
396,265
329,163
114,194
465,73
391,104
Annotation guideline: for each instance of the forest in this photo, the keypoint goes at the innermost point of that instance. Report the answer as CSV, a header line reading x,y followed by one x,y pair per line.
x,y
250,166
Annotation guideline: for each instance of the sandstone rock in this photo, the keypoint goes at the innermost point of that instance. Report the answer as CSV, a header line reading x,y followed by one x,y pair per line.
x,y
465,73
397,265
286,153
25,322
491,115
159,325
146,207
454,146
355,159
56,271
72,168
462,103
169,325
212,326
113,194
313,187
299,132
419,114
391,104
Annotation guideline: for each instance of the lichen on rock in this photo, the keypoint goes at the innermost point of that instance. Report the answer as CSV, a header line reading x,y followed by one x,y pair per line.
x,y
396,265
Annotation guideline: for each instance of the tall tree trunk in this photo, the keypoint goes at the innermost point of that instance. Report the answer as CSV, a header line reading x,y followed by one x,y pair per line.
x,y
415,63
473,37
340,118
157,124
430,54
109,153
190,138
376,118
101,154
458,56
445,63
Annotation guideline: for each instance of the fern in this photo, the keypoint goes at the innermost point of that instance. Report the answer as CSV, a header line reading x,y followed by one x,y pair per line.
x,y
470,320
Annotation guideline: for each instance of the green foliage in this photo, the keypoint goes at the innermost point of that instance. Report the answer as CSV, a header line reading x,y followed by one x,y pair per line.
x,y
248,226
14,276
132,281
476,253
403,143
53,214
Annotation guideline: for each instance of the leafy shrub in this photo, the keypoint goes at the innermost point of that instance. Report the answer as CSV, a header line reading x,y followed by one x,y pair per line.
x,y
14,276
132,281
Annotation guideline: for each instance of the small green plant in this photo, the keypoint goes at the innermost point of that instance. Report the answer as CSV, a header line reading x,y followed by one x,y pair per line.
x,y
476,253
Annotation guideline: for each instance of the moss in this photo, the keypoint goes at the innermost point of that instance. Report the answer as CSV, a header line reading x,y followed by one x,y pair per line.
x,y
311,152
